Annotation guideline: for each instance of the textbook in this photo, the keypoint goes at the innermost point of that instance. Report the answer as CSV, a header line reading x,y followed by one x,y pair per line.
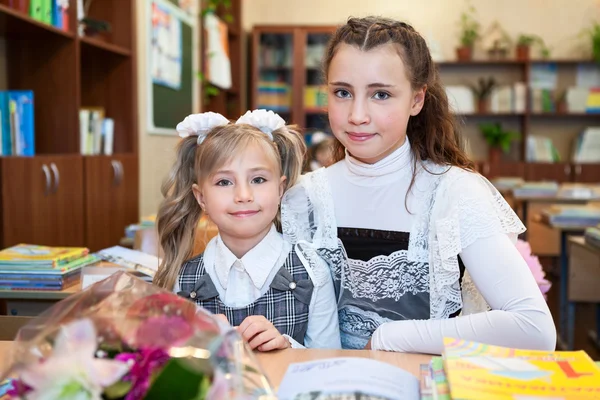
x,y
480,371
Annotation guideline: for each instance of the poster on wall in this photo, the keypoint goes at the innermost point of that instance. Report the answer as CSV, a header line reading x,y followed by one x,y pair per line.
x,y
217,64
166,48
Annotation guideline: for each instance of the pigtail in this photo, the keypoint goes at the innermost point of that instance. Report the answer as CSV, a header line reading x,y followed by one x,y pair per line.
x,y
178,214
292,152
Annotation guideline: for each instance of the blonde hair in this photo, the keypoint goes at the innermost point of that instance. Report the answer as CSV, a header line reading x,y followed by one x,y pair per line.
x,y
179,211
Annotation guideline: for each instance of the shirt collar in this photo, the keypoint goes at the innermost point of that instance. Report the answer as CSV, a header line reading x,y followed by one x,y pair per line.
x,y
258,262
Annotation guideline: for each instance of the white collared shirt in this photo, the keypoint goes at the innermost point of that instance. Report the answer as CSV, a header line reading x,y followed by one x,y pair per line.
x,y
240,282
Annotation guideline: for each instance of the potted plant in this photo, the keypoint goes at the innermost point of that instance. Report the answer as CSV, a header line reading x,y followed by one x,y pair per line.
x,y
482,91
469,34
524,44
594,35
498,140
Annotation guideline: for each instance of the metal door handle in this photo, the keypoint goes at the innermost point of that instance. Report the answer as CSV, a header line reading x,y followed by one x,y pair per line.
x,y
56,176
46,172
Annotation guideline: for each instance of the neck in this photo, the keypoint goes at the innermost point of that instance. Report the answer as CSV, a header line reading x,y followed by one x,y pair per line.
x,y
239,246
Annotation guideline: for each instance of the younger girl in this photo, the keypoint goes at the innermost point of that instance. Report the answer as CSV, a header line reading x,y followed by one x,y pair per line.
x,y
426,245
277,294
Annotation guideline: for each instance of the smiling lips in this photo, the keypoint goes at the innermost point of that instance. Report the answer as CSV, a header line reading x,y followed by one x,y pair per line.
x,y
360,136
244,214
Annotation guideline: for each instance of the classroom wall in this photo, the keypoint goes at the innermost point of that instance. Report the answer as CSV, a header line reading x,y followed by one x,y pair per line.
x,y
156,152
558,22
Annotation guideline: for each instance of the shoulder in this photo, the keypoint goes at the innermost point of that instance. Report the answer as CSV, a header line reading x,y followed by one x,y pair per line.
x,y
315,266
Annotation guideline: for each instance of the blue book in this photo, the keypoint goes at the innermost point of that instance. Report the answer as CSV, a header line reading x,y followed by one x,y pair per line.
x,y
5,127
21,106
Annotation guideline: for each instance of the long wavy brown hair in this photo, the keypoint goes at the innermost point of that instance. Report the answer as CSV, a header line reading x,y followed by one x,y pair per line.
x,y
433,133
179,212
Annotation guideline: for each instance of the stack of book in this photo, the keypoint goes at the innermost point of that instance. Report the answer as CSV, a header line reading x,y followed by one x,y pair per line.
x,y
537,189
470,370
33,267
506,183
572,216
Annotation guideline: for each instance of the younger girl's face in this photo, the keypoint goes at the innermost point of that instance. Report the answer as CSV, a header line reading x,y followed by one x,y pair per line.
x,y
242,197
370,100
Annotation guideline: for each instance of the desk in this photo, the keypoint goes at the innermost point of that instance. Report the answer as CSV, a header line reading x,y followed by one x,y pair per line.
x,y
275,363
566,307
584,279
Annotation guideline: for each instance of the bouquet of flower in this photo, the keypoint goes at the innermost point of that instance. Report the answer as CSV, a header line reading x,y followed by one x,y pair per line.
x,y
123,338
534,265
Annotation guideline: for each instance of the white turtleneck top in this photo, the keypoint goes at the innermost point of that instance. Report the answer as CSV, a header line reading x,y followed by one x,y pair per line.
x,y
389,295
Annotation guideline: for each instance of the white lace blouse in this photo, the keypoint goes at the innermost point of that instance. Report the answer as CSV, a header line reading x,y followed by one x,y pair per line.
x,y
453,213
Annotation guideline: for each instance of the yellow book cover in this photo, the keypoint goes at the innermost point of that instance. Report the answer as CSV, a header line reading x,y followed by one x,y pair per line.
x,y
40,255
481,371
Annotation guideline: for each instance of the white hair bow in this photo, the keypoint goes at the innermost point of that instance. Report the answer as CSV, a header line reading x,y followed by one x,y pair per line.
x,y
266,121
200,124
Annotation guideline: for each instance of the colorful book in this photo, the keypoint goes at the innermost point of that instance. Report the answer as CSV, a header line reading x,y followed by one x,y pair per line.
x,y
35,256
479,371
441,390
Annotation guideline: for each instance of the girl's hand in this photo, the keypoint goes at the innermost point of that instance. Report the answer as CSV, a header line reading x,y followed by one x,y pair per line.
x,y
261,335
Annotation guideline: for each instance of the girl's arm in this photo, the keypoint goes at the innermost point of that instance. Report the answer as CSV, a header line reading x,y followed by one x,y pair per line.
x,y
519,317
323,326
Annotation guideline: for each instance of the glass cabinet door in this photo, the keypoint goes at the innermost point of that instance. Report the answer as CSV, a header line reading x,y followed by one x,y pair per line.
x,y
275,73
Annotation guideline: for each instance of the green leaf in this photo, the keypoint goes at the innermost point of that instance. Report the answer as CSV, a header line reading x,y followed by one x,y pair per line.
x,y
176,381
228,18
117,390
204,388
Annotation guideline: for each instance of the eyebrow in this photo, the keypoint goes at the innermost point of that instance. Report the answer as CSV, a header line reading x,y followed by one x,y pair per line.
x,y
370,85
255,169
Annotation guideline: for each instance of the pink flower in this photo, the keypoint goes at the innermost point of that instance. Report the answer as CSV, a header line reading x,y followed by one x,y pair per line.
x,y
143,364
534,265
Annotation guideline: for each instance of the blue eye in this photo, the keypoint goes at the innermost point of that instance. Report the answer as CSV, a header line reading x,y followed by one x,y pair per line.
x,y
342,93
259,180
381,96
223,182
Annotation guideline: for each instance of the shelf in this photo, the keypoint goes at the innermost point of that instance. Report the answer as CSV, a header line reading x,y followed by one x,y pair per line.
x,y
491,115
315,111
563,61
564,115
479,63
104,46
19,25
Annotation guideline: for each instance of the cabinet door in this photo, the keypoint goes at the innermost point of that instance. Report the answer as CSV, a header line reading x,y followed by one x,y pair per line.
x,y
111,188
559,172
42,200
586,173
503,169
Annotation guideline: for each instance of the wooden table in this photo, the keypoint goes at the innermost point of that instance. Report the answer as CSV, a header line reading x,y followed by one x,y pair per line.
x,y
275,363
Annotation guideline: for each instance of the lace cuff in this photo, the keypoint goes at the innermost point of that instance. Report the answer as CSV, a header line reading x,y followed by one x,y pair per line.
x,y
307,214
467,207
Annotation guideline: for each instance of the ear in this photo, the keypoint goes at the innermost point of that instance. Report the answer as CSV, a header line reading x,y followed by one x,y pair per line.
x,y
198,196
282,185
418,101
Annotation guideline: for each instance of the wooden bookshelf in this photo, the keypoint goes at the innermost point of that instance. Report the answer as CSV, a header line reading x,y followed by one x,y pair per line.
x,y
60,197
290,69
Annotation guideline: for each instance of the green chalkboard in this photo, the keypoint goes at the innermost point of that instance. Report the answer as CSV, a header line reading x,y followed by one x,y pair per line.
x,y
169,106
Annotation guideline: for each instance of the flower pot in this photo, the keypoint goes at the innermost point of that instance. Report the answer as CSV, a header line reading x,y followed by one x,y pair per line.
x,y
522,53
464,53
495,154
483,106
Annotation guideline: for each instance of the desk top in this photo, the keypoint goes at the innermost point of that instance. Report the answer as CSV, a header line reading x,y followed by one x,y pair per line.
x,y
580,241
275,363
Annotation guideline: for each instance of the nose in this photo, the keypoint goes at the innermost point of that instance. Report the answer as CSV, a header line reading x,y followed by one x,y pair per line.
x,y
243,193
359,113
